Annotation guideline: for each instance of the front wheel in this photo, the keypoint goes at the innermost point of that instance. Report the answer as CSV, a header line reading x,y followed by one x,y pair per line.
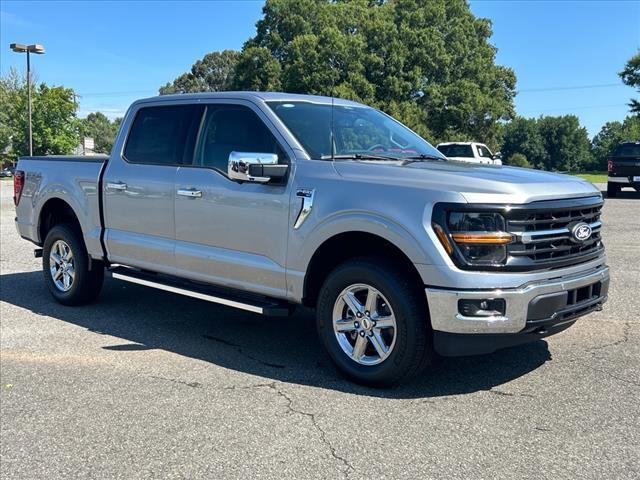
x,y
65,265
373,322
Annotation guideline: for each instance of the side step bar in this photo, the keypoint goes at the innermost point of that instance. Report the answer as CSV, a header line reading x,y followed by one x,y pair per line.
x,y
248,302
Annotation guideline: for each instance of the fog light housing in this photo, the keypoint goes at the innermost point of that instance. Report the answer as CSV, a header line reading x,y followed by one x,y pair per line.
x,y
484,307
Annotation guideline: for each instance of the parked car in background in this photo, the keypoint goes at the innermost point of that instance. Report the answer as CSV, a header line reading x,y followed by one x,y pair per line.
x,y
469,152
624,168
7,172
263,201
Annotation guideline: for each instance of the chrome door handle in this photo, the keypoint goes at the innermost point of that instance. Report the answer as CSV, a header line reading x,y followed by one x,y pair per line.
x,y
116,186
190,192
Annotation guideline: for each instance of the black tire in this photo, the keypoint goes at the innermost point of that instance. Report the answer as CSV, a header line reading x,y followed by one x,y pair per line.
x,y
87,283
612,190
413,347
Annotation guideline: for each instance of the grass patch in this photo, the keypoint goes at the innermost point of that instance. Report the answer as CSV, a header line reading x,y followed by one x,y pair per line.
x,y
593,177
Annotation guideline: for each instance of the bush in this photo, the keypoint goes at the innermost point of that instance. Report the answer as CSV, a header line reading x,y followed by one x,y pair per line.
x,y
518,160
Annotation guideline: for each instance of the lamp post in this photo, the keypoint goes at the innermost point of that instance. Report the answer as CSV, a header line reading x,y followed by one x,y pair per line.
x,y
28,49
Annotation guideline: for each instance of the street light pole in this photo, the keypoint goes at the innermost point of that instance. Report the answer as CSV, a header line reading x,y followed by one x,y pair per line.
x,y
29,94
28,49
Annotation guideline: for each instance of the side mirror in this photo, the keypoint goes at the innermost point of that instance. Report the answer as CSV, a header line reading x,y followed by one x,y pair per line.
x,y
497,156
255,167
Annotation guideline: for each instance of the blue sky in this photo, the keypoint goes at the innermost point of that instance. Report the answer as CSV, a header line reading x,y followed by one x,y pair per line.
x,y
114,52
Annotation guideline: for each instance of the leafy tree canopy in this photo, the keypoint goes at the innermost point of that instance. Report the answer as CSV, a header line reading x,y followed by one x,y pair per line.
x,y
549,143
631,76
55,126
214,73
101,129
522,136
518,160
425,63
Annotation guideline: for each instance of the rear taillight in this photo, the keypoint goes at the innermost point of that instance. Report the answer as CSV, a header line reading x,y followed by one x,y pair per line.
x,y
18,184
610,166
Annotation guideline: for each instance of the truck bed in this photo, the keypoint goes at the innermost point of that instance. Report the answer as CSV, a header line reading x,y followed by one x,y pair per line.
x,y
73,179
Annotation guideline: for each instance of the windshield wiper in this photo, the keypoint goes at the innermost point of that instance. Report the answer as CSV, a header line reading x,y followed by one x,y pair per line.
x,y
359,156
424,156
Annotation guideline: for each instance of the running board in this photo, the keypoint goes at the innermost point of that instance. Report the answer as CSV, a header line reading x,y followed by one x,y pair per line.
x,y
248,302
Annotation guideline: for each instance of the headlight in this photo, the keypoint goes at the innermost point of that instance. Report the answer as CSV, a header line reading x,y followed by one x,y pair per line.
x,y
475,238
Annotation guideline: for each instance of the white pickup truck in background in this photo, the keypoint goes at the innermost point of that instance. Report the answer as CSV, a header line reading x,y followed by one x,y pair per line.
x,y
469,152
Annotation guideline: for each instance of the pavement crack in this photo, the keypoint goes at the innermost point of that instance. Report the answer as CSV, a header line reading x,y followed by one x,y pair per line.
x,y
221,340
626,330
502,393
248,387
616,377
179,382
348,468
239,349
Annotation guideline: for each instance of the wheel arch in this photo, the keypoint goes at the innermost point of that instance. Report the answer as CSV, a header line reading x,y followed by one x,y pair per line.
x,y
55,211
343,246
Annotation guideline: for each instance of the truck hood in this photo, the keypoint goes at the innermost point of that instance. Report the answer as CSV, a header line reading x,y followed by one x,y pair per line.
x,y
477,183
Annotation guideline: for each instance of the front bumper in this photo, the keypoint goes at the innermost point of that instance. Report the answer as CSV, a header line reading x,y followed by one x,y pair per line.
x,y
540,306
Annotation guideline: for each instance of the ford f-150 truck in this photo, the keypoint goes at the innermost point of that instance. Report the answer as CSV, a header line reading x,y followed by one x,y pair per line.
x,y
265,201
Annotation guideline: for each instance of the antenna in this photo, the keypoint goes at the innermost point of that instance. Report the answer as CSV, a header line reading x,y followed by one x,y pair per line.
x,y
333,148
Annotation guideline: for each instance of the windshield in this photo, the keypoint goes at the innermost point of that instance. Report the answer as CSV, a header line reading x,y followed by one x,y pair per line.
x,y
359,131
456,150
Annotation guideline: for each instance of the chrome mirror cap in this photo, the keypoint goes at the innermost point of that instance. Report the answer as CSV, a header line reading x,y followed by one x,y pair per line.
x,y
240,163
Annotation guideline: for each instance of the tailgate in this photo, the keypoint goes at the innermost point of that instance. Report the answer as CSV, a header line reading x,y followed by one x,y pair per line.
x,y
625,166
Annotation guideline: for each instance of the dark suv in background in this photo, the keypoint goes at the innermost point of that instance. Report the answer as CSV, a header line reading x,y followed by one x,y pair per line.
x,y
624,168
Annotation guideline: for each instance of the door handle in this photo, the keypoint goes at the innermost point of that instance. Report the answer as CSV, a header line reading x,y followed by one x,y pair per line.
x,y
116,186
190,192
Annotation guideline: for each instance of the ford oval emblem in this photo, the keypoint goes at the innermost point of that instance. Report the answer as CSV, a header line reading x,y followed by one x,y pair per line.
x,y
581,232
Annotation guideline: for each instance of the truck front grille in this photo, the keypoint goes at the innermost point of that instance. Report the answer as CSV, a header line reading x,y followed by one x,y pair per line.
x,y
544,237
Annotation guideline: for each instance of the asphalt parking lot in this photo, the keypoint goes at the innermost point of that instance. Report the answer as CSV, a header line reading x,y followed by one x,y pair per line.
x,y
145,384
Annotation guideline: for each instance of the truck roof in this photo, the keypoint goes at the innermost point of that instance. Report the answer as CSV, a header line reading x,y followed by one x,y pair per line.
x,y
262,96
460,143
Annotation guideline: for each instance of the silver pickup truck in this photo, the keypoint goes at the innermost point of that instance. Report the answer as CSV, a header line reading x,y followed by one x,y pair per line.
x,y
265,201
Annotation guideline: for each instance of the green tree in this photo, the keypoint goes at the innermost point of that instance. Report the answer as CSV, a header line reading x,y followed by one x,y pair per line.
x,y
429,64
518,160
420,61
213,73
55,126
631,76
101,129
256,70
566,143
522,136
549,143
5,117
610,135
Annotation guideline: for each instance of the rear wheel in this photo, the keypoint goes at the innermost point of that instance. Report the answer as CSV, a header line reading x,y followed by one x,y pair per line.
x,y
612,190
373,322
65,265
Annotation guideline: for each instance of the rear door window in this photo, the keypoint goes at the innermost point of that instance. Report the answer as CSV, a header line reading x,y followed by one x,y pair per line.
x,y
163,135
